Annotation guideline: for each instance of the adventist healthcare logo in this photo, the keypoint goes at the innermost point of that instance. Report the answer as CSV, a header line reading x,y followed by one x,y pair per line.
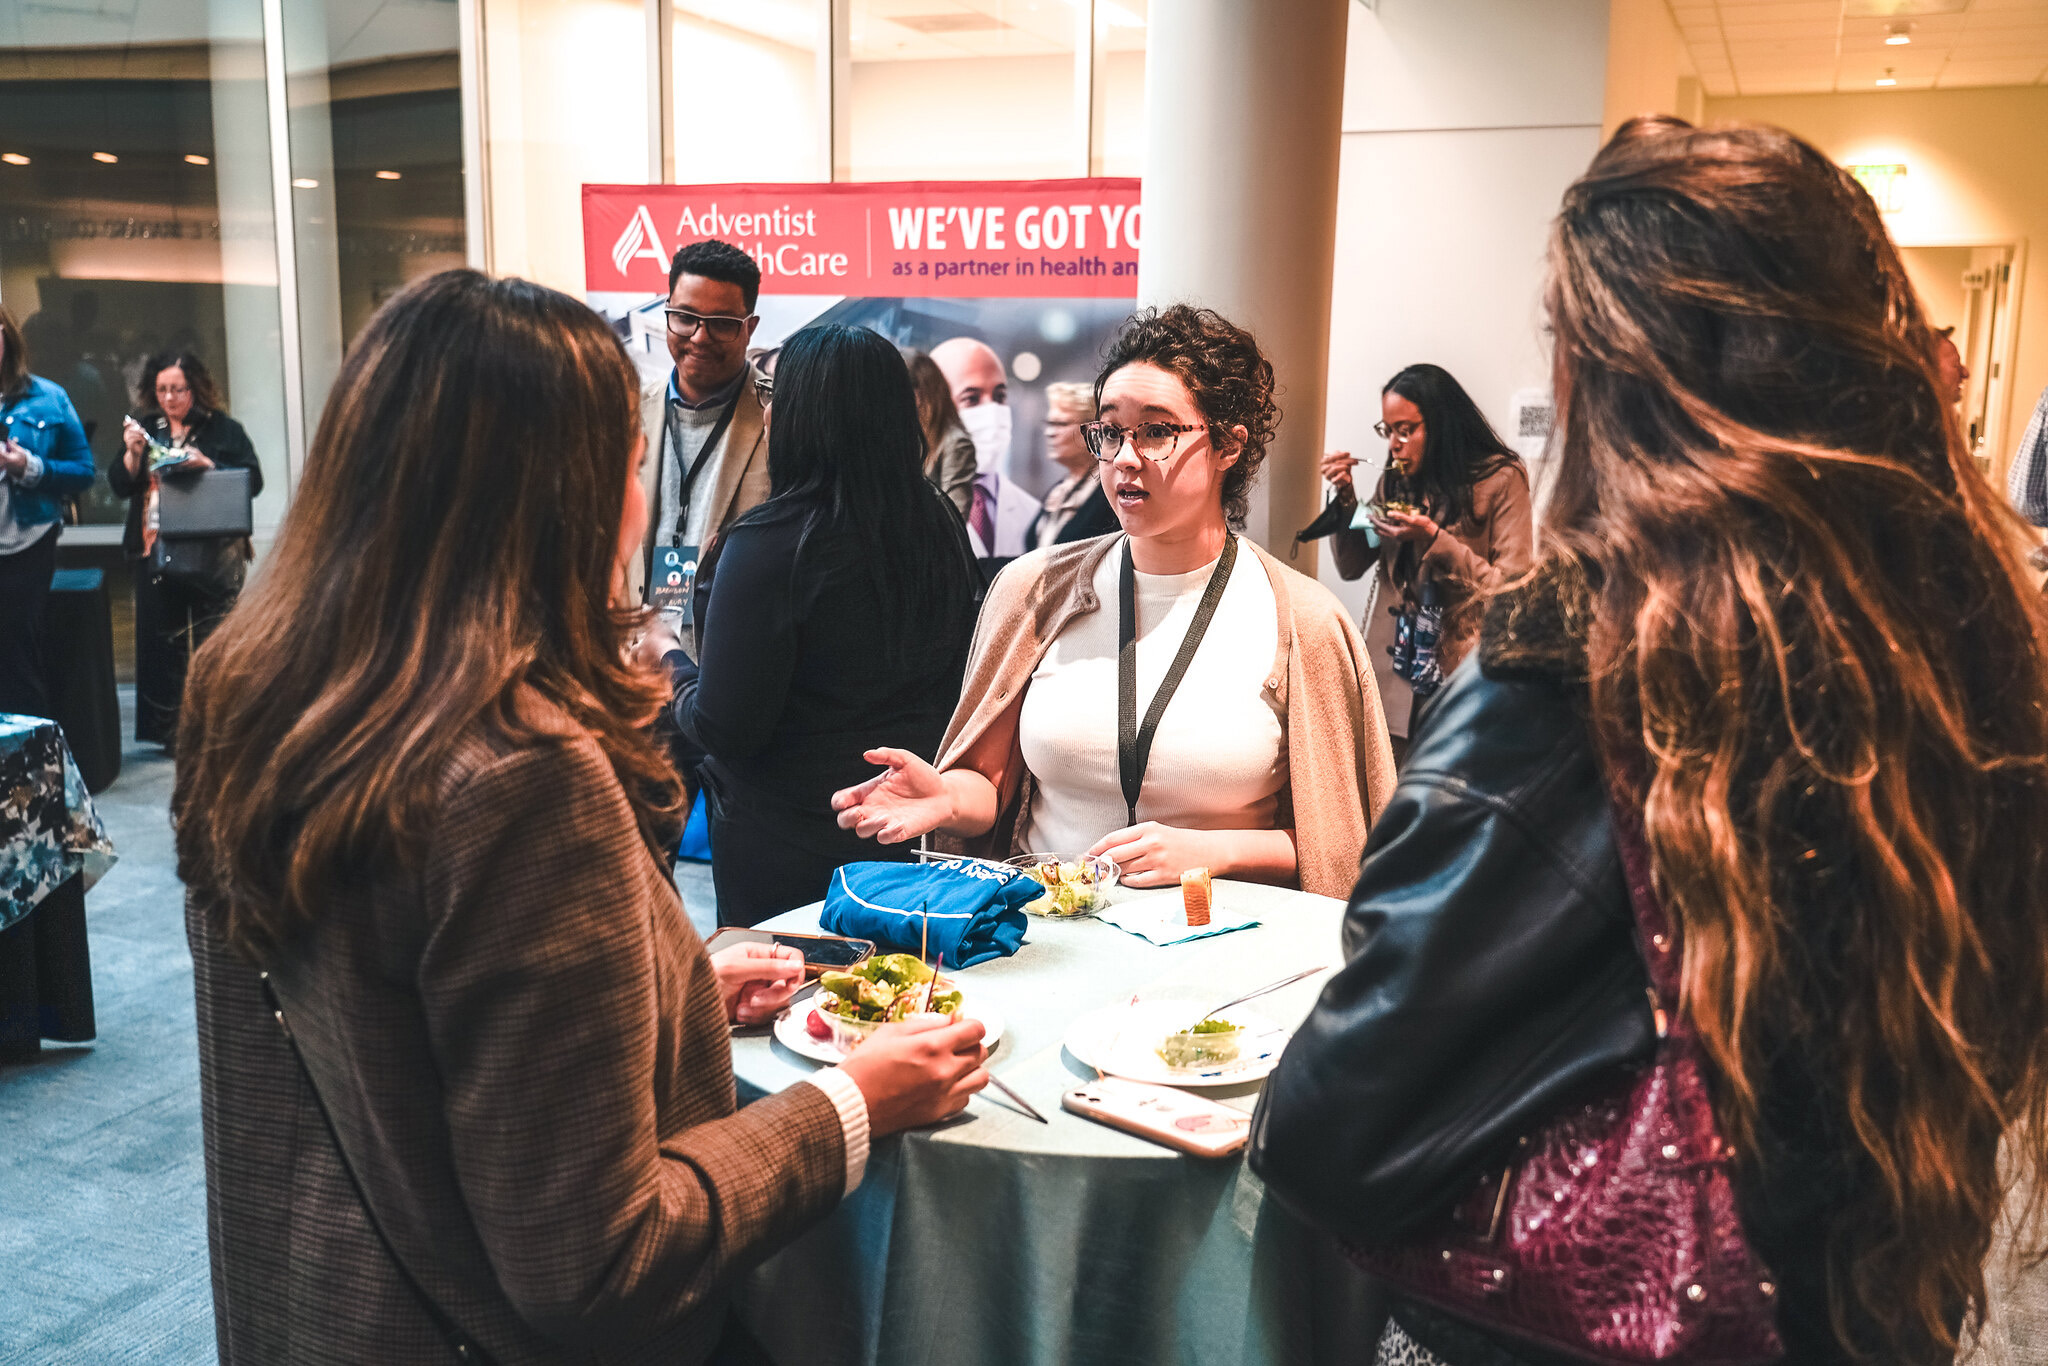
x,y
638,240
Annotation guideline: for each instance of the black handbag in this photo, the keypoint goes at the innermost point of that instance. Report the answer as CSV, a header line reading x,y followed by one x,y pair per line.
x,y
203,523
212,565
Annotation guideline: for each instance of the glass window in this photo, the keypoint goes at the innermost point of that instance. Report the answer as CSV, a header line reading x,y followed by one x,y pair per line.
x,y
374,99
749,92
566,106
136,215
965,89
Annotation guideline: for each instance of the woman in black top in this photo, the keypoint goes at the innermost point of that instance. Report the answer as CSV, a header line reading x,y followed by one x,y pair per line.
x,y
1782,624
176,612
837,622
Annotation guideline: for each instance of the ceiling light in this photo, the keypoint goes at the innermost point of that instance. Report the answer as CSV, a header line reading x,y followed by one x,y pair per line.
x,y
107,157
387,175
302,183
194,159
1899,35
13,158
1887,78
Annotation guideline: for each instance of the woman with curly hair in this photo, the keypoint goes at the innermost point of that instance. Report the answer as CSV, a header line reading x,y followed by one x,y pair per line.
x,y
1782,668
1261,754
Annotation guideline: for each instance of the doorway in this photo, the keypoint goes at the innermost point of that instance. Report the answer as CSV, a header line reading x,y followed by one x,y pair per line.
x,y
1970,288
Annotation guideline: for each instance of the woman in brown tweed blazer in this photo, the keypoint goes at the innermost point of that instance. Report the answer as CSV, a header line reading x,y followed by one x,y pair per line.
x,y
420,792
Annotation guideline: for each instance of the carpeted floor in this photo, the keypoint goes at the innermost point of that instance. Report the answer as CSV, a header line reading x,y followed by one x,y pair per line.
x,y
102,1181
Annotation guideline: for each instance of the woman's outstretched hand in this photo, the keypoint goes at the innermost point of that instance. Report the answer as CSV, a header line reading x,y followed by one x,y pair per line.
x,y
908,801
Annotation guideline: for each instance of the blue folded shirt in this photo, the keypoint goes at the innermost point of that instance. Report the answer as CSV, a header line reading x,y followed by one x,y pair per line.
x,y
975,911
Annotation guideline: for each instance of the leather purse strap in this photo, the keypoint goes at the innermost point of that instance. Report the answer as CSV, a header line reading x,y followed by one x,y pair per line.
x,y
460,1343
1133,741
1656,937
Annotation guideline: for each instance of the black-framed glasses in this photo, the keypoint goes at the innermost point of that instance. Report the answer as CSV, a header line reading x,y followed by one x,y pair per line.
x,y
1156,441
683,323
1399,431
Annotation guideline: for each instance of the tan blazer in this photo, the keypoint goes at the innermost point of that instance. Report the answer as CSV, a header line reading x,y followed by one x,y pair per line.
x,y
951,469
1480,553
742,482
527,1062
1340,766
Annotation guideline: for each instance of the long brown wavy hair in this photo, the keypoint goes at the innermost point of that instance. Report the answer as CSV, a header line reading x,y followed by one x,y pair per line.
x,y
448,563
1812,638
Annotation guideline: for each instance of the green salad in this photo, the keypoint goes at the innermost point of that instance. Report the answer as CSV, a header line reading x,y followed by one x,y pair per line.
x,y
887,987
1069,888
1212,1041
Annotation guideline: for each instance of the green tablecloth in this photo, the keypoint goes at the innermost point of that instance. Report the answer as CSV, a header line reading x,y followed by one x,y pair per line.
x,y
997,1239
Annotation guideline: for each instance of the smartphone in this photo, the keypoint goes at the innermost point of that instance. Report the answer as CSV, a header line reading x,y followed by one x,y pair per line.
x,y
1164,1114
820,951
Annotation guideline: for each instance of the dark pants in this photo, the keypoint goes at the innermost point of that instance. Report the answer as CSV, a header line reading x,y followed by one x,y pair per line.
x,y
24,590
171,621
760,871
46,975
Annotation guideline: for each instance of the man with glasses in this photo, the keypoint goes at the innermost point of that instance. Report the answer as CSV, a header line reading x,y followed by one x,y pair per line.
x,y
707,436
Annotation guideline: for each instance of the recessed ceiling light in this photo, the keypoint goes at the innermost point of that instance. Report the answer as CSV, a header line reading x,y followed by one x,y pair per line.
x,y
387,175
1887,78
197,160
107,157
303,183
13,158
1899,35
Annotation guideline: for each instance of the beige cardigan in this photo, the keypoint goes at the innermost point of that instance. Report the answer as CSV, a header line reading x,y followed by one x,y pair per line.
x,y
1483,551
1340,766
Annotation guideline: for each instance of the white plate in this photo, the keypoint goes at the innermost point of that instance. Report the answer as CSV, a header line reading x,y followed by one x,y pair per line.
x,y
1121,1040
789,1029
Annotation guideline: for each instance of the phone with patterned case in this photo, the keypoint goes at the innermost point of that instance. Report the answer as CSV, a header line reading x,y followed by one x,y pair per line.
x,y
1163,1114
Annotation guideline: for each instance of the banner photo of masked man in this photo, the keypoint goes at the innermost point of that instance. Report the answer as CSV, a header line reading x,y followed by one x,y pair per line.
x,y
1012,288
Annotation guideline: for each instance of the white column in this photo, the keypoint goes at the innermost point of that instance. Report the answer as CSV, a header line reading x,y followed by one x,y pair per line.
x,y
1243,112
257,382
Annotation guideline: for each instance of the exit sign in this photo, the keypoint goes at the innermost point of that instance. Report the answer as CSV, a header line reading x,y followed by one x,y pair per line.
x,y
1886,183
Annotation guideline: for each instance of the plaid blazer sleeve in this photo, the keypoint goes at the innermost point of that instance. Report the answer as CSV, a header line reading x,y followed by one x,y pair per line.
x,y
588,1091
2026,483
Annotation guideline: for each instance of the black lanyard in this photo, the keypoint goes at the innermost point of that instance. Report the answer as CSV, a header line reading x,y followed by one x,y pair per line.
x,y
668,411
1133,741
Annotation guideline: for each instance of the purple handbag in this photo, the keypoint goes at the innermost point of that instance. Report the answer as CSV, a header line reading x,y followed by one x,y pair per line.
x,y
1613,1235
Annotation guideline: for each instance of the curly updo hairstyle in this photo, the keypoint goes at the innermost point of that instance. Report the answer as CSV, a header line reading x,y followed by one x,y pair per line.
x,y
1230,378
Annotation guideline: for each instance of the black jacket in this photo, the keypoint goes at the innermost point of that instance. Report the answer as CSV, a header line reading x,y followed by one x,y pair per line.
x,y
1492,976
792,688
217,436
1095,517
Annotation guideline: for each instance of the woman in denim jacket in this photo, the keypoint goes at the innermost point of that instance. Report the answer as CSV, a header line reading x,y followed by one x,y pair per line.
x,y
43,461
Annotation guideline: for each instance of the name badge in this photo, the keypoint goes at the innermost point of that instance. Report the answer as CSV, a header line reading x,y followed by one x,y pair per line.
x,y
672,587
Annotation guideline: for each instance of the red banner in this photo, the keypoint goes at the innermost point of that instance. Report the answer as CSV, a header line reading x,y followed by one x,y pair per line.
x,y
926,239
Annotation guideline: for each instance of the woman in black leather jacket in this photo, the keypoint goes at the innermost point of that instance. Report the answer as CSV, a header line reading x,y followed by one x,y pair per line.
x,y
1780,617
